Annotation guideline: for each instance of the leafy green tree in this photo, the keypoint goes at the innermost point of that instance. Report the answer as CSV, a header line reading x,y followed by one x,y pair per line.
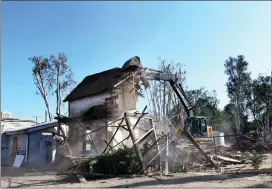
x,y
239,81
205,103
261,103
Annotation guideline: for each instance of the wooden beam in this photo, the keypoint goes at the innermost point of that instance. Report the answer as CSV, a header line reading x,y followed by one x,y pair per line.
x,y
113,135
120,142
136,147
108,144
156,140
142,115
155,143
144,136
192,140
135,114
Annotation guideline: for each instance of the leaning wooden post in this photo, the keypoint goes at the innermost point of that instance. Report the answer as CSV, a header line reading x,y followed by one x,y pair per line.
x,y
135,145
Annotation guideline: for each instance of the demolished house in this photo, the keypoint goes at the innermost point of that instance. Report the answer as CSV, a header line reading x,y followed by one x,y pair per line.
x,y
96,108
103,116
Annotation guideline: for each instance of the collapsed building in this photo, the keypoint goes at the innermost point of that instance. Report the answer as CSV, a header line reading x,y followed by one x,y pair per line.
x,y
97,105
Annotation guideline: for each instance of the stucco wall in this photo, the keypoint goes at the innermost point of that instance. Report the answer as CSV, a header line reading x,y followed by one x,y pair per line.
x,y
126,101
126,97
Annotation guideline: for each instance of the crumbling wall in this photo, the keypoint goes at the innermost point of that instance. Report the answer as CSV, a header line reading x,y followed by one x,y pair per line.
x,y
126,101
78,107
94,143
126,97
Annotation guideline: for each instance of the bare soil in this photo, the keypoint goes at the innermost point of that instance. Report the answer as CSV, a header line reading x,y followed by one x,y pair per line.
x,y
53,179
48,177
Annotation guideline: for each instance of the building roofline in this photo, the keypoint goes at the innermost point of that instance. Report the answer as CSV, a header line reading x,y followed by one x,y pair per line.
x,y
32,128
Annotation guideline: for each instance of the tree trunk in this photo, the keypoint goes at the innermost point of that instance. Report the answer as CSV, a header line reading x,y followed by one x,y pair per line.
x,y
47,107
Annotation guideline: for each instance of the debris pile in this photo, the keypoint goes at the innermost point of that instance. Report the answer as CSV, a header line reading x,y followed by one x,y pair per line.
x,y
250,142
228,156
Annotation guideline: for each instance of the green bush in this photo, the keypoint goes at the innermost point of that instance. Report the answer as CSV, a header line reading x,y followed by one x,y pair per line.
x,y
117,162
256,159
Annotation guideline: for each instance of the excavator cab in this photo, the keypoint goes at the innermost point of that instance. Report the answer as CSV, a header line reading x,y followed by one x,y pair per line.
x,y
196,126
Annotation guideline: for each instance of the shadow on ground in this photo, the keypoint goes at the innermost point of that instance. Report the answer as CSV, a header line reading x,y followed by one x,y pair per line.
x,y
8,171
263,185
184,180
62,179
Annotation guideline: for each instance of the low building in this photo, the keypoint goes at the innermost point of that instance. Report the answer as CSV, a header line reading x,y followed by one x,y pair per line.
x,y
10,124
36,142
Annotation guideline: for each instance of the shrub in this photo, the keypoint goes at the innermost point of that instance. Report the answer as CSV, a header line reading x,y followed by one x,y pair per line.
x,y
256,159
117,162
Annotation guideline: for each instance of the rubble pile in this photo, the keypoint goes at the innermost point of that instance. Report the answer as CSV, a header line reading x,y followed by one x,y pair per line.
x,y
228,156
250,142
186,157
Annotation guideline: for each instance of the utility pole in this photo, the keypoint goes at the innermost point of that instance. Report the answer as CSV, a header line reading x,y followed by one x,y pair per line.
x,y
36,118
45,117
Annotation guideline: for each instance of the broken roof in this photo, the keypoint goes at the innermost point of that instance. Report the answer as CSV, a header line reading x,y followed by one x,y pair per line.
x,y
104,81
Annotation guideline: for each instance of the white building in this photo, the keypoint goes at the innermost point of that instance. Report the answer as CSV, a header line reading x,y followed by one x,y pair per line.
x,y
5,115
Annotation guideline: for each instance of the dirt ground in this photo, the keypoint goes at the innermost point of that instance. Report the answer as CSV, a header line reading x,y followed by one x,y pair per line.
x,y
51,179
45,177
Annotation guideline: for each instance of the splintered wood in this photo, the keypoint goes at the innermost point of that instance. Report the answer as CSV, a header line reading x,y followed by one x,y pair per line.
x,y
125,124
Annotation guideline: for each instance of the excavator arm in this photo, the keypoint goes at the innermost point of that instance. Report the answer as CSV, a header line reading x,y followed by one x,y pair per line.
x,y
151,74
175,83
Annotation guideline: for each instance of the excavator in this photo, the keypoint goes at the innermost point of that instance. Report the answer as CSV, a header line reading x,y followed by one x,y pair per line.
x,y
195,125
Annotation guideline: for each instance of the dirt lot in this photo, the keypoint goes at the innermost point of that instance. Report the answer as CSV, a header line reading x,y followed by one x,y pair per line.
x,y
51,179
44,176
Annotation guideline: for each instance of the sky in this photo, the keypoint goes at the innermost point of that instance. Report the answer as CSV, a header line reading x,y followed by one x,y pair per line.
x,y
97,36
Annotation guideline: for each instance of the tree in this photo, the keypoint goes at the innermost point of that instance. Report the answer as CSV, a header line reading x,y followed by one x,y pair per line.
x,y
163,102
237,87
205,104
261,104
61,78
42,79
52,76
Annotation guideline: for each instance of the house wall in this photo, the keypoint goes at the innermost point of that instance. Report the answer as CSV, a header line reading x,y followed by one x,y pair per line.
x,y
94,143
126,97
22,143
38,150
126,101
12,147
5,150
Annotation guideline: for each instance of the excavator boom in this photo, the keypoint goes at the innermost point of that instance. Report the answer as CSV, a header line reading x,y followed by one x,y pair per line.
x,y
151,74
175,83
